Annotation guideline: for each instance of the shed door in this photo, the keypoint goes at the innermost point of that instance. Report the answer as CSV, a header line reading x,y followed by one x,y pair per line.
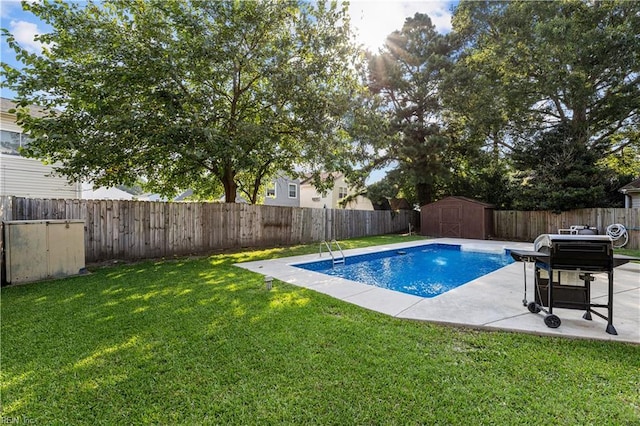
x,y
450,221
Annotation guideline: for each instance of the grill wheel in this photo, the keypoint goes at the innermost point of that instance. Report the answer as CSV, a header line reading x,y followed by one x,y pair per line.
x,y
552,321
533,307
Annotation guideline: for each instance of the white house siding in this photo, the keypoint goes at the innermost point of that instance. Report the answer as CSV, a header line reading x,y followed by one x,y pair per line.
x,y
309,197
8,123
360,203
26,177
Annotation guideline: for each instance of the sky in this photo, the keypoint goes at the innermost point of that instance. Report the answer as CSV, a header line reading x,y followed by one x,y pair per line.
x,y
374,20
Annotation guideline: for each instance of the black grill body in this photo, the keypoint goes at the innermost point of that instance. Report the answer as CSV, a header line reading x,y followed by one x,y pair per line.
x,y
565,266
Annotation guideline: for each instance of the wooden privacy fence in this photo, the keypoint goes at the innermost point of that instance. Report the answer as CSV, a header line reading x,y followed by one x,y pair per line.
x,y
143,229
527,225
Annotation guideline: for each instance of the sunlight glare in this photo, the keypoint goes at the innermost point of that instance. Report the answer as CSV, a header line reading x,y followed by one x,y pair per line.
x,y
374,20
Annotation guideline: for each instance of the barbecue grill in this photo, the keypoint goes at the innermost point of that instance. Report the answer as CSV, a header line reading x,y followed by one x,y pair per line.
x,y
565,266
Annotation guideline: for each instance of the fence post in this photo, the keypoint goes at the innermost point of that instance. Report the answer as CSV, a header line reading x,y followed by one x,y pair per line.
x,y
6,208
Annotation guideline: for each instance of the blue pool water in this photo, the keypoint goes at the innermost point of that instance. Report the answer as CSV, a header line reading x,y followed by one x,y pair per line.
x,y
425,271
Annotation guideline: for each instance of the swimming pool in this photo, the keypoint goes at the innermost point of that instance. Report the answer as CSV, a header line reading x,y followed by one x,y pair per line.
x,y
426,271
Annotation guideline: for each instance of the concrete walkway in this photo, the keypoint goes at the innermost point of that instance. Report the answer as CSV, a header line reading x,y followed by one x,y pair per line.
x,y
493,301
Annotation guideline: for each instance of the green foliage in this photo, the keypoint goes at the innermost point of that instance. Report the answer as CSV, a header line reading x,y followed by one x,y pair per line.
x,y
622,167
565,61
527,68
381,192
558,173
626,161
482,177
188,93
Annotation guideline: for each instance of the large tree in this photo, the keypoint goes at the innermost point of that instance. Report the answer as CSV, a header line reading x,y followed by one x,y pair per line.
x,y
559,173
538,73
406,75
189,94
550,63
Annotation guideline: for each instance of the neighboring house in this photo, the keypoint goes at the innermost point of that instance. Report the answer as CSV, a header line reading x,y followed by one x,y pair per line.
x,y
183,196
310,197
400,204
26,177
283,191
102,193
631,194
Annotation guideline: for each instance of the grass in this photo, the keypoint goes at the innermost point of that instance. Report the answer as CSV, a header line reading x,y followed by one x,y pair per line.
x,y
628,252
201,341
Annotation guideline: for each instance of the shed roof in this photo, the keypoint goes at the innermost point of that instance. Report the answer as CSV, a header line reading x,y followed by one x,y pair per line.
x,y
469,200
631,187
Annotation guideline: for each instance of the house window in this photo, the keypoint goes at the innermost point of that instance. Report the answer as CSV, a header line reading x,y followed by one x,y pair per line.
x,y
342,192
315,199
271,190
10,142
293,190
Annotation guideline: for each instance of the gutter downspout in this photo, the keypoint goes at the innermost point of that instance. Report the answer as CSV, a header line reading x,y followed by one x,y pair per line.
x,y
627,199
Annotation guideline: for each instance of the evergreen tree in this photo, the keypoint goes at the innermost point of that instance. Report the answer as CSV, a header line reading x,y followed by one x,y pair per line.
x,y
558,172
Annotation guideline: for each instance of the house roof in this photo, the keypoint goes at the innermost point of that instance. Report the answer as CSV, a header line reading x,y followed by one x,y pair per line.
x,y
400,204
7,104
323,176
631,187
103,193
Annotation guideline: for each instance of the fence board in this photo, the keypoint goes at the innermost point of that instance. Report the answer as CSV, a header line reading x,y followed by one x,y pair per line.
x,y
143,229
526,226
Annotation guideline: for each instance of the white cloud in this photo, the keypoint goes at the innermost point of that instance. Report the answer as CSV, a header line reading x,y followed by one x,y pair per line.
x,y
24,33
374,20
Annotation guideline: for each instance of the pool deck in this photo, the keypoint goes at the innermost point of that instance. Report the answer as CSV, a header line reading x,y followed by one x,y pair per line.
x,y
493,301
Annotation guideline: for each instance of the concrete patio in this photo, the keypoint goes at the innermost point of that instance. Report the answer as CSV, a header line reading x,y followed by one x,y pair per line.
x,y
493,301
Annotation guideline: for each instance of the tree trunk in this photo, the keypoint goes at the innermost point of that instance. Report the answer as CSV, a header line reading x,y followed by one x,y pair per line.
x,y
424,192
256,189
230,186
580,126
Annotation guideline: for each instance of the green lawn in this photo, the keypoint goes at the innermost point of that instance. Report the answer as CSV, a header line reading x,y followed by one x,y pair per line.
x,y
202,342
628,252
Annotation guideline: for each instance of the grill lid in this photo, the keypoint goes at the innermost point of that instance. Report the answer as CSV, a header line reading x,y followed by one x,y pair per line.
x,y
547,240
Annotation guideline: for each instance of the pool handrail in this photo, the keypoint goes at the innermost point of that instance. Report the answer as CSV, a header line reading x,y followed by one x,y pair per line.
x,y
335,260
